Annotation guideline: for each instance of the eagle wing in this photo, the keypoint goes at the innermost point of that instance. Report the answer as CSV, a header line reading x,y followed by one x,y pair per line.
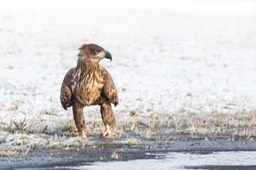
x,y
109,90
66,92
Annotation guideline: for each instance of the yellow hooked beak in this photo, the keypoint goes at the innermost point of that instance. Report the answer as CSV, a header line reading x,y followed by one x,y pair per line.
x,y
104,54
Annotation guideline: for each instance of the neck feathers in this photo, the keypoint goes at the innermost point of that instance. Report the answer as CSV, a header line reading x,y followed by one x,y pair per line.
x,y
85,67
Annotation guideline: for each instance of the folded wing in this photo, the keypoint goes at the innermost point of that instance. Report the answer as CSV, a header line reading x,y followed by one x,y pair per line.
x,y
65,92
109,90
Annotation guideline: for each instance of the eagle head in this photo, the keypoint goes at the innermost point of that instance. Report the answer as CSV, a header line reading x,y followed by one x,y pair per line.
x,y
94,51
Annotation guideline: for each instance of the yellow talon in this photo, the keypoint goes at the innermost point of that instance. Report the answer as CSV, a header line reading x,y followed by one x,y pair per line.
x,y
108,132
83,136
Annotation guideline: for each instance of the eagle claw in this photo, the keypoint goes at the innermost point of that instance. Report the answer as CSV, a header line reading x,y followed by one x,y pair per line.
x,y
109,133
83,136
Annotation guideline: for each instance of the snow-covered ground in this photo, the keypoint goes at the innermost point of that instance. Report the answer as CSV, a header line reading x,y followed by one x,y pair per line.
x,y
181,61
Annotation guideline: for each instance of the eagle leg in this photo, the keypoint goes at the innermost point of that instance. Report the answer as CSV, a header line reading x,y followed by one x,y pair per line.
x,y
79,119
108,118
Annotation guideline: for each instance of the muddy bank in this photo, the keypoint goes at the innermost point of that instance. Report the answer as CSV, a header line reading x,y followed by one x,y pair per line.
x,y
107,151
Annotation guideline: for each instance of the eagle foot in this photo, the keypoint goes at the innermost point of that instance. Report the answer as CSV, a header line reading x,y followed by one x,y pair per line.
x,y
83,136
109,133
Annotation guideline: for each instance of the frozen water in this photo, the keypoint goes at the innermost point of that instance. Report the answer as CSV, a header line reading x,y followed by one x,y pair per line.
x,y
179,161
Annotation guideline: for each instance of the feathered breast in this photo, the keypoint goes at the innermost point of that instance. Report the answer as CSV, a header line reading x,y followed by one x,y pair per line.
x,y
88,86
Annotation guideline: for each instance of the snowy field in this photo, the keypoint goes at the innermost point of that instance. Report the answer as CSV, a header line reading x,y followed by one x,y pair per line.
x,y
185,68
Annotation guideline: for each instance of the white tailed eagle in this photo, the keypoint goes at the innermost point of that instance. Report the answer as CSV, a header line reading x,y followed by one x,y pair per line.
x,y
90,84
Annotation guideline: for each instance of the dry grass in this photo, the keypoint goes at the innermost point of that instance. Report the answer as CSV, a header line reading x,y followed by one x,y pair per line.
x,y
242,124
133,129
20,126
15,105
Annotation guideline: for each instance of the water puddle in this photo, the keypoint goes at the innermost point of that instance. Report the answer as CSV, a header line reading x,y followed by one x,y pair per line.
x,y
216,160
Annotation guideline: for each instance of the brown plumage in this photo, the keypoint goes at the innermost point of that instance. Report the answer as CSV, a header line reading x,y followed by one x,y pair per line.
x,y
90,84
